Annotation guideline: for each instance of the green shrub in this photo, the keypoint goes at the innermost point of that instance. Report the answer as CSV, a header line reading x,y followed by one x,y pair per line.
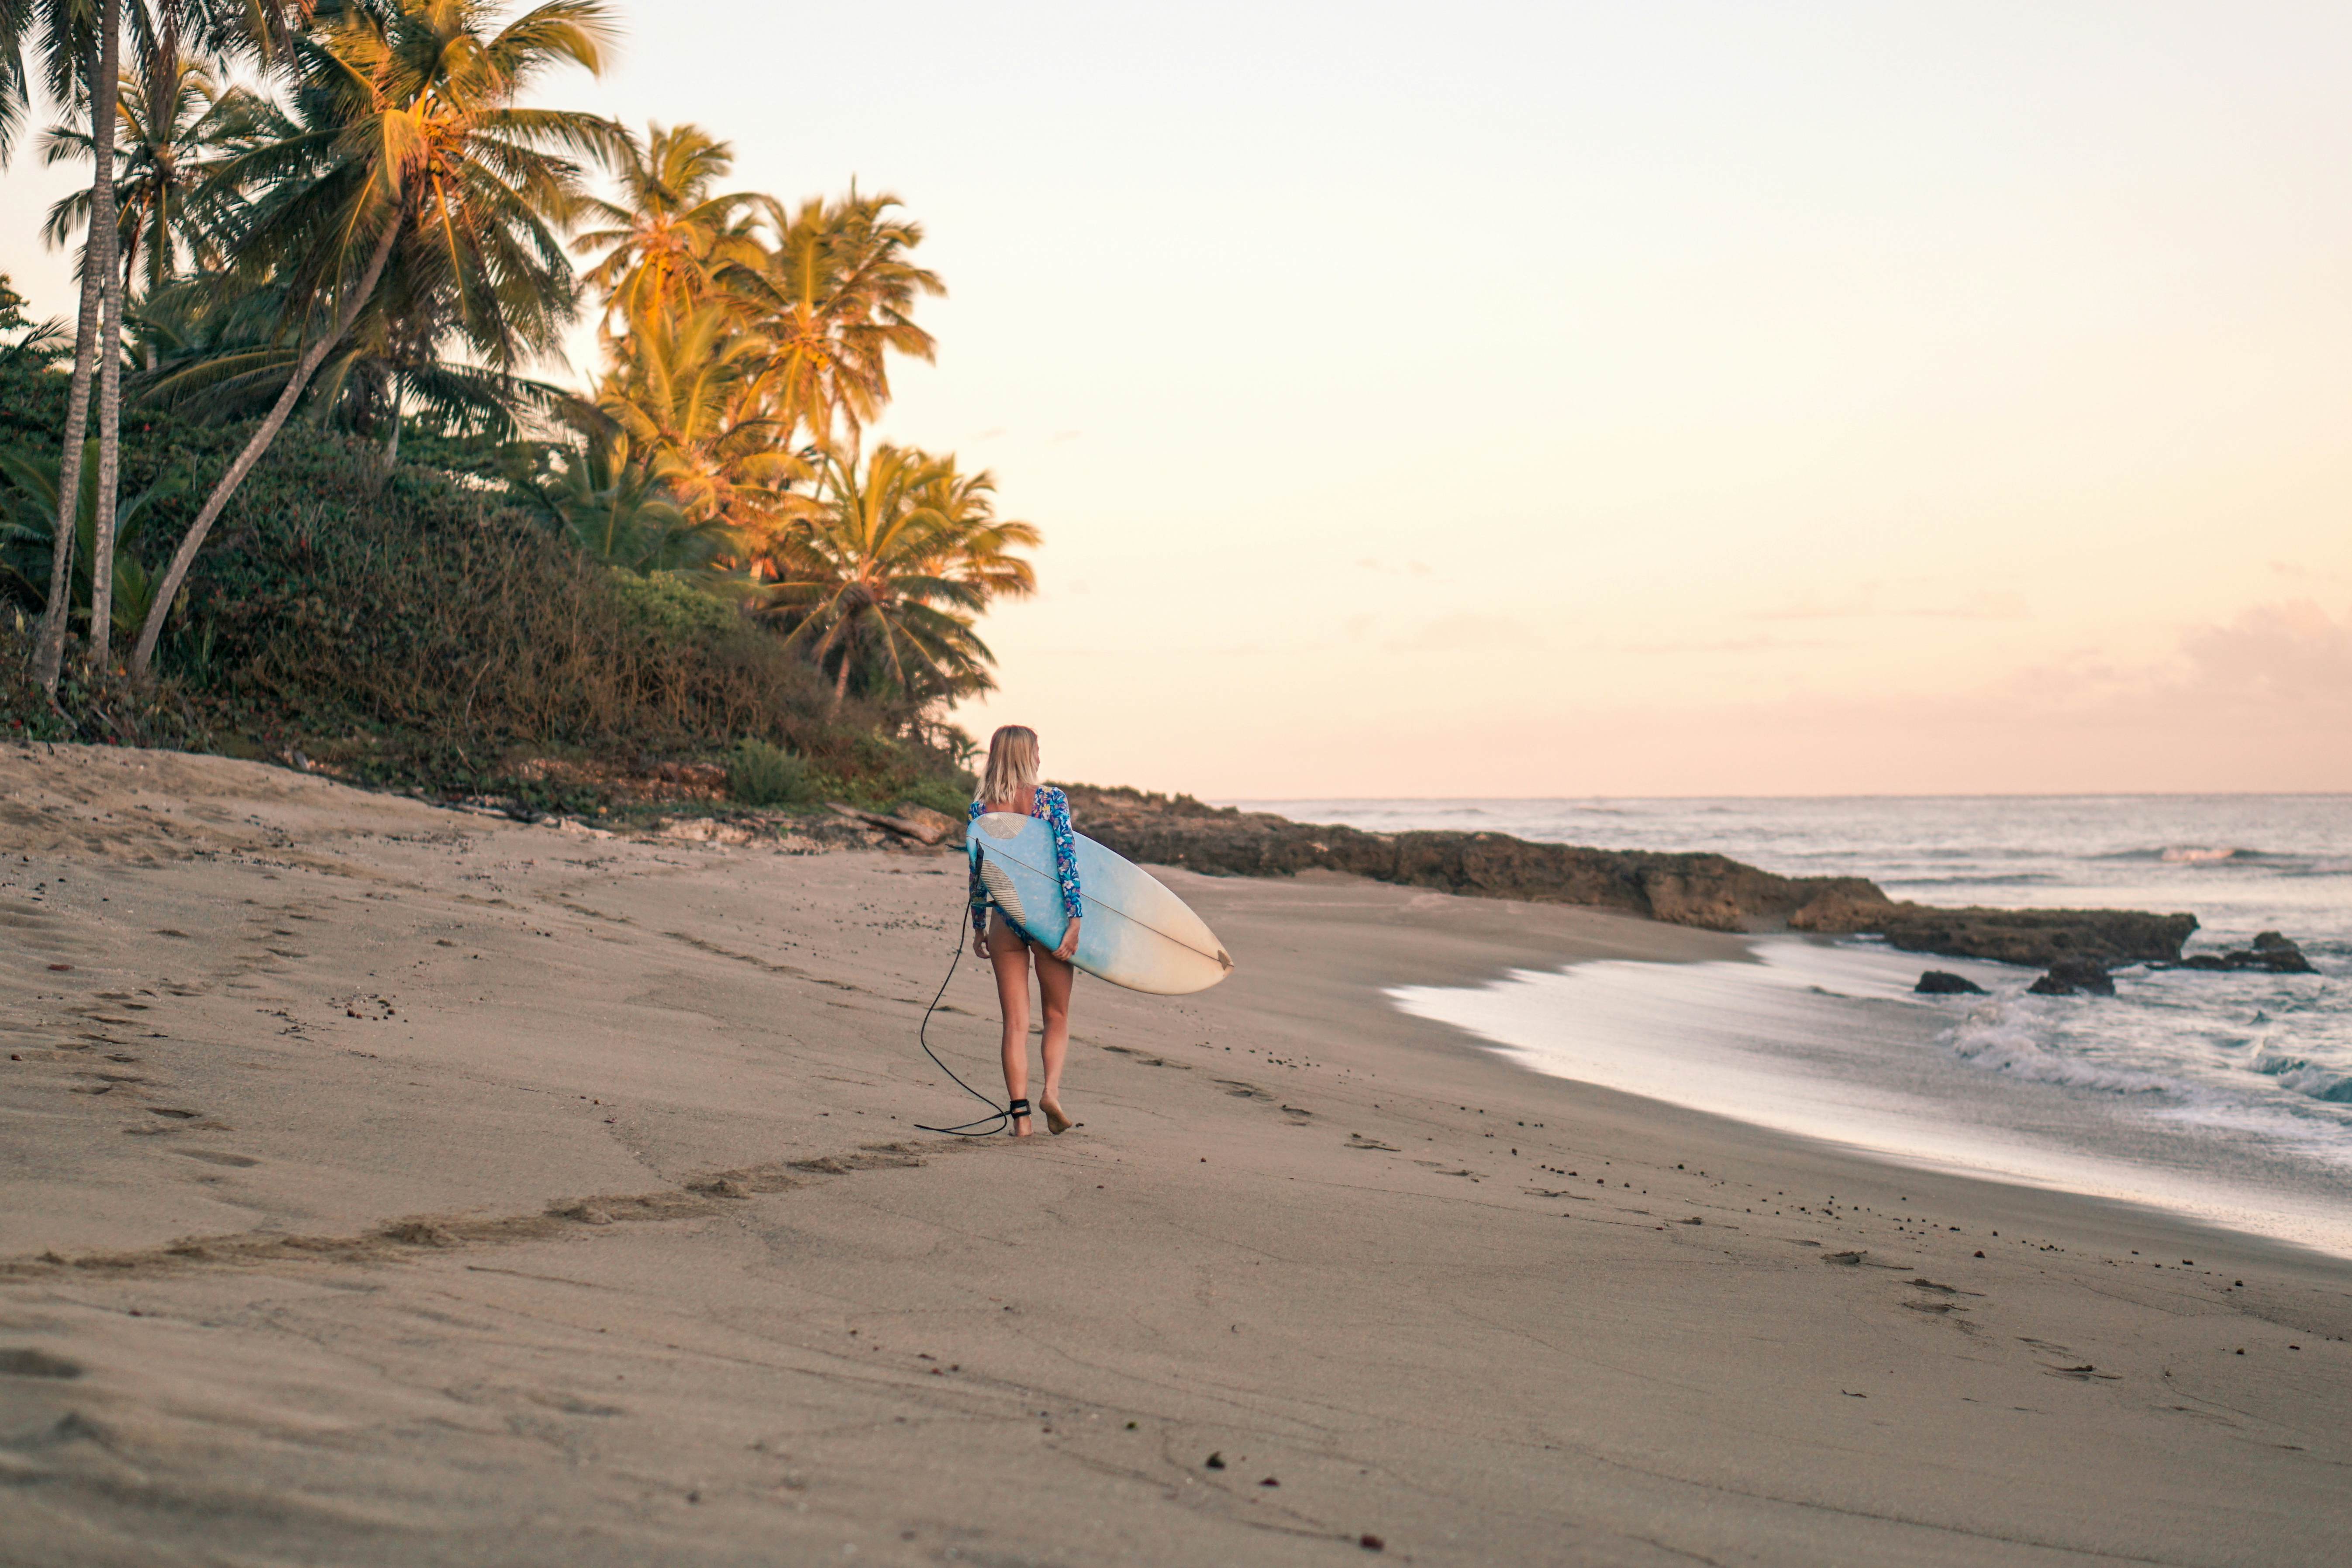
x,y
942,794
338,595
665,603
761,774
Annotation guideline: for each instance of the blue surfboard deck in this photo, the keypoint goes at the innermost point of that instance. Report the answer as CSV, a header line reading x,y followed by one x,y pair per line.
x,y
1134,932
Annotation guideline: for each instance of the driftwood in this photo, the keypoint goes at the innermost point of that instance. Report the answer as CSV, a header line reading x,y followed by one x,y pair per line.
x,y
919,823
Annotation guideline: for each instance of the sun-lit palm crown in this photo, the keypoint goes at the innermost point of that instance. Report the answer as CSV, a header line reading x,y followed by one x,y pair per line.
x,y
663,246
836,296
890,572
686,389
407,119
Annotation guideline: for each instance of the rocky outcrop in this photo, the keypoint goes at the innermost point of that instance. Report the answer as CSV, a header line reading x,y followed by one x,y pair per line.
x,y
2075,977
2271,953
1696,890
2039,936
1943,982
1707,891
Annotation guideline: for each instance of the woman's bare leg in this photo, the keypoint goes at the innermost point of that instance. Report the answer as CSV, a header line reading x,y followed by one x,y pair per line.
x,y
1054,979
1008,955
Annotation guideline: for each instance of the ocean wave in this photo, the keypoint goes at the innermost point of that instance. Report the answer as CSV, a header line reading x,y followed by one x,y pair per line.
x,y
2001,1037
2193,855
2304,1077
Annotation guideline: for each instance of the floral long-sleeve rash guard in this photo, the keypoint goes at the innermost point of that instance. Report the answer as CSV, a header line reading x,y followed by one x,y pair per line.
x,y
1054,807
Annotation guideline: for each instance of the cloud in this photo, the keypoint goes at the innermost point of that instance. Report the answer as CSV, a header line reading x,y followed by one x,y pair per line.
x,y
1762,644
1982,606
1466,632
2290,655
1810,607
2292,652
1923,602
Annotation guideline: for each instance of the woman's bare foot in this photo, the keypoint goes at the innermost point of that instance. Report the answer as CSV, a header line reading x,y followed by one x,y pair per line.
x,y
1017,1118
1055,1119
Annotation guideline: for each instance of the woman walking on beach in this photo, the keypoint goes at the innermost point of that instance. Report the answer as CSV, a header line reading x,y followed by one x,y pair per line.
x,y
1010,785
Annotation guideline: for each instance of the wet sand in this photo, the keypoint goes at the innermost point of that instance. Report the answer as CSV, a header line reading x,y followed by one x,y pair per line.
x,y
385,1184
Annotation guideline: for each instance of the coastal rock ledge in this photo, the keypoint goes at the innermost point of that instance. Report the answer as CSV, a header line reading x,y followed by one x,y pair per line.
x,y
1711,891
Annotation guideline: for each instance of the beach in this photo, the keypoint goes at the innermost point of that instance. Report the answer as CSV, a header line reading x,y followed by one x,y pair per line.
x,y
386,1184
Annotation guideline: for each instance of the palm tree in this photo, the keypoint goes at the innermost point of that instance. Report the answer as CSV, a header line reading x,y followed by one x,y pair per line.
x,y
687,391
409,135
886,579
214,354
979,545
28,511
665,243
836,297
81,53
82,63
105,90
19,19
172,114
612,508
213,345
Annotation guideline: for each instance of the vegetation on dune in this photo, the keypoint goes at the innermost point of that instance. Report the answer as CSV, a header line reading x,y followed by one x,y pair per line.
x,y
761,774
298,464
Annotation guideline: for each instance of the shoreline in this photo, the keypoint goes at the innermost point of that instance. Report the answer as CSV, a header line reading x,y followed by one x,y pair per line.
x,y
598,1161
1734,1045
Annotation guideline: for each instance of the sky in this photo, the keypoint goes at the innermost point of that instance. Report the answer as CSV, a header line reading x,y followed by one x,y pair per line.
x,y
1574,399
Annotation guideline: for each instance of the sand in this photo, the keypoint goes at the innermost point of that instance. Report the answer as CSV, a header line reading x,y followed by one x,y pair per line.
x,y
385,1184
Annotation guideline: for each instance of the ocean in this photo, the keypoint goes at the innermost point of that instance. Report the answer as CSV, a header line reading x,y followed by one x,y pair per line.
x,y
2224,1097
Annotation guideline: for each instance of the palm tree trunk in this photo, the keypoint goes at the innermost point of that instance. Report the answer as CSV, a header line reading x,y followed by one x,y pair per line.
x,y
392,446
840,682
107,231
49,652
156,275
104,222
176,573
110,474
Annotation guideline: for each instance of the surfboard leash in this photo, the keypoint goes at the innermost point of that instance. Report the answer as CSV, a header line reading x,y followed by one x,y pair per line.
x,y
999,1117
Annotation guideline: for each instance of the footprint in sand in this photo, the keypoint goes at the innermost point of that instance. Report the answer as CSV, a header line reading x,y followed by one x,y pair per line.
x,y
1146,1058
18,1362
214,1157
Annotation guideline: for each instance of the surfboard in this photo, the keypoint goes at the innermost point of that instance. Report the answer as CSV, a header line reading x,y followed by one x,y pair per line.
x,y
1134,932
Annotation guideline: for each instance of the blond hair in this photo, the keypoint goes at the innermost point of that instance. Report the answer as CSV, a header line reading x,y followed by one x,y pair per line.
x,y
1012,772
